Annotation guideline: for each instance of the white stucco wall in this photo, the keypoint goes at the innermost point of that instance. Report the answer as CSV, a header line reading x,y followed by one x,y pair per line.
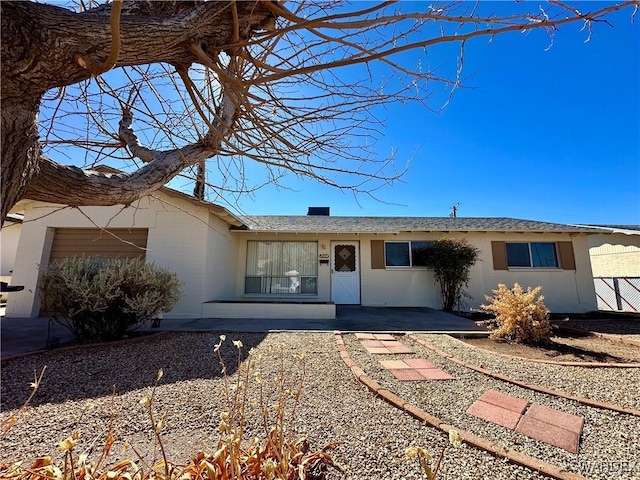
x,y
564,290
615,255
222,262
9,236
178,240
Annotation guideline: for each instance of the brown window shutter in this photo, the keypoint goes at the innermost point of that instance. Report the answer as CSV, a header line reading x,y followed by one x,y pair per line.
x,y
377,254
567,259
499,252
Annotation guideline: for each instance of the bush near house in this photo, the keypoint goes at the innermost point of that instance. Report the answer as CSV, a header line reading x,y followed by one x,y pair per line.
x,y
451,261
100,299
521,317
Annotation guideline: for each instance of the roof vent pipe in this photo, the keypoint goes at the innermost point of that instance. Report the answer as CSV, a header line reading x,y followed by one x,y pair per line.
x,y
324,211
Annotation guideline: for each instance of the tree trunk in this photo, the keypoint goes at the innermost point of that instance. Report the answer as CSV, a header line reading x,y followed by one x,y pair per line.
x,y
20,149
40,48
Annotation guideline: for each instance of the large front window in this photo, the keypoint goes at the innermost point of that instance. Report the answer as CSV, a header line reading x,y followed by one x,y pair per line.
x,y
281,268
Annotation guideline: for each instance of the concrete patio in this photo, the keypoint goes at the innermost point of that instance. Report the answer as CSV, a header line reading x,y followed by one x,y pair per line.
x,y
22,335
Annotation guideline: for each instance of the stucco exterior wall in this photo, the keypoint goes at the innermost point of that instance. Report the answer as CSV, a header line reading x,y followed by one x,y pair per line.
x,y
9,237
615,255
222,262
177,240
410,287
564,290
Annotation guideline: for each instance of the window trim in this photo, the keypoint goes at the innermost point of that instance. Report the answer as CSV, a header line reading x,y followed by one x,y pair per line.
x,y
531,266
411,266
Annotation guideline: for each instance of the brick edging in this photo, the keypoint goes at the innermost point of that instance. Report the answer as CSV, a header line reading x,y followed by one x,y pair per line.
x,y
530,386
550,362
607,336
468,437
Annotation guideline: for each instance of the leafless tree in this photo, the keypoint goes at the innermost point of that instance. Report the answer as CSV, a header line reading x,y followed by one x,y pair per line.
x,y
210,86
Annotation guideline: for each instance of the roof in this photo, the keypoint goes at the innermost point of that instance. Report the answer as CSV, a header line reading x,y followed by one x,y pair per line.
x,y
333,224
610,229
217,210
14,218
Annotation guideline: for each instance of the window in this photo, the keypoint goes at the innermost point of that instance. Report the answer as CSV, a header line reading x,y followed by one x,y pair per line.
x,y
405,254
281,268
532,255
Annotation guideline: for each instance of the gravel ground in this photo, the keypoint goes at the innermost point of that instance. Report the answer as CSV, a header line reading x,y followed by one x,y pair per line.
x,y
593,383
334,405
607,436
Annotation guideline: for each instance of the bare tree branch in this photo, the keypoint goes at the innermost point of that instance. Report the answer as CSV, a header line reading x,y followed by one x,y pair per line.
x,y
230,82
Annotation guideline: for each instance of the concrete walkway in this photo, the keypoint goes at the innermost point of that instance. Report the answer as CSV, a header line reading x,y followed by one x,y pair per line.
x,y
23,335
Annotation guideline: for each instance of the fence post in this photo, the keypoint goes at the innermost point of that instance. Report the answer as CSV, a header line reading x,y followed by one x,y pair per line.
x,y
616,288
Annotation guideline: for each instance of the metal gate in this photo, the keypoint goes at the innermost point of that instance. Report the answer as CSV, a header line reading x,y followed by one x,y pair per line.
x,y
618,294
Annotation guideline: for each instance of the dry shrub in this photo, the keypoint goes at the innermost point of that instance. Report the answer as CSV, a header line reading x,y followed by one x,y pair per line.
x,y
101,299
521,317
273,455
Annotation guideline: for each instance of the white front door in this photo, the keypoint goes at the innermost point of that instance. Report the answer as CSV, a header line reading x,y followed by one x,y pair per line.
x,y
345,273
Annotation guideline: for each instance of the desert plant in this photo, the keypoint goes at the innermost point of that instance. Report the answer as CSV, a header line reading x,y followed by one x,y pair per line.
x,y
451,261
273,454
521,317
425,459
100,299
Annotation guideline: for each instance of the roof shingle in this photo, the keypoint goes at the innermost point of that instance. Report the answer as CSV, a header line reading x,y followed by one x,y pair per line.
x,y
333,224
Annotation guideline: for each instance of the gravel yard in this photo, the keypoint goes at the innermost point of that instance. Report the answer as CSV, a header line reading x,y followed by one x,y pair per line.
x,y
613,385
334,406
607,436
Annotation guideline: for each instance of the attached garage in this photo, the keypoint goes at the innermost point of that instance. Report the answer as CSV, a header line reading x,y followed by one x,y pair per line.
x,y
86,242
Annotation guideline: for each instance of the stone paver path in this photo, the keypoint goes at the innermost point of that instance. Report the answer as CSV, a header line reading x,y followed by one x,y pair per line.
x,y
382,344
415,369
541,423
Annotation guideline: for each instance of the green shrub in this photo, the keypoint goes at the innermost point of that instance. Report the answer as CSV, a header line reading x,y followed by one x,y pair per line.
x,y
521,317
451,261
101,299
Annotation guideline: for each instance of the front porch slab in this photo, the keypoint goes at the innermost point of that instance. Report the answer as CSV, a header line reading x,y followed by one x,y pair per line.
x,y
269,310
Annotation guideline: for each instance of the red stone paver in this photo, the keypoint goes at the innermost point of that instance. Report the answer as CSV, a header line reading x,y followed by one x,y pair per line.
x,y
413,373
394,364
371,343
407,374
547,433
378,350
503,400
567,421
400,349
365,336
383,336
391,343
419,363
494,413
434,374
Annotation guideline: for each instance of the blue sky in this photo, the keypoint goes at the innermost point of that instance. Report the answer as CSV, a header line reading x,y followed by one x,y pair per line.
x,y
541,134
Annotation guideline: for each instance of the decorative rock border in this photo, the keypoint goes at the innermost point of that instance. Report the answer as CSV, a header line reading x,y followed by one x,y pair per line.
x,y
470,438
585,401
